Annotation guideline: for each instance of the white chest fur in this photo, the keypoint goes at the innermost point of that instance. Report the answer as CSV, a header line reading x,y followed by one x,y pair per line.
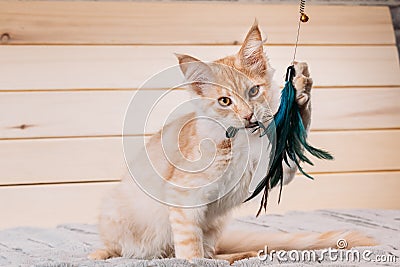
x,y
248,160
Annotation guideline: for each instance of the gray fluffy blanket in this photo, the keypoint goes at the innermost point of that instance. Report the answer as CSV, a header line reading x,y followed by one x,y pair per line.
x,y
69,244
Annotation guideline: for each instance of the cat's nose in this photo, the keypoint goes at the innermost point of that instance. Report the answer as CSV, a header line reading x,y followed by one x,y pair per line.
x,y
248,117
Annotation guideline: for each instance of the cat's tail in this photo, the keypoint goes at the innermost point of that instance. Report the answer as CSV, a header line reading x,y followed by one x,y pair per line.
x,y
238,241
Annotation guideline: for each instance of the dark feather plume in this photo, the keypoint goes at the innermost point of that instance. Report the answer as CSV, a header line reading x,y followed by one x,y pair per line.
x,y
291,142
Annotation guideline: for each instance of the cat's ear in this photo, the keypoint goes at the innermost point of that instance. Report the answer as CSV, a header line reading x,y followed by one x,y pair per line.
x,y
251,54
198,73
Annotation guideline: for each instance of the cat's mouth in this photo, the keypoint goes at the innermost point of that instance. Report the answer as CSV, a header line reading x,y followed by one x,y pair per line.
x,y
252,124
232,131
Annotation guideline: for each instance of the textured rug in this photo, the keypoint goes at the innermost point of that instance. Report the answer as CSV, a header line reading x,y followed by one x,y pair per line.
x,y
69,244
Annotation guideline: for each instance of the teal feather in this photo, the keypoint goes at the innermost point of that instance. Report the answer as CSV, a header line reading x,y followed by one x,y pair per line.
x,y
291,142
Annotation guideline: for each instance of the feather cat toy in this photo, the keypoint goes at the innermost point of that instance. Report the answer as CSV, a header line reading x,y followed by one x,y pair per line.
x,y
290,134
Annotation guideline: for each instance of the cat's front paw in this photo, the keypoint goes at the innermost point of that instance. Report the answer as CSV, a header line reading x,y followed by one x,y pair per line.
x,y
303,83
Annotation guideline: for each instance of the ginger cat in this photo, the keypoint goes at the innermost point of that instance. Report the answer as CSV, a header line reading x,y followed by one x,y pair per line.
x,y
132,224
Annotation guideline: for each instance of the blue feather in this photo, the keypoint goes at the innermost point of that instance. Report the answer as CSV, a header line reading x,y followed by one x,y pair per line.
x,y
291,142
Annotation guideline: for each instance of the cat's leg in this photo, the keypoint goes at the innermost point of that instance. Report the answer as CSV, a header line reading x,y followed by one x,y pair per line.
x,y
132,225
122,238
303,84
210,238
187,232
212,232
108,232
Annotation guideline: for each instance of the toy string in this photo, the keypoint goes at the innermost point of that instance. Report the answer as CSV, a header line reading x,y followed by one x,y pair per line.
x,y
297,42
303,18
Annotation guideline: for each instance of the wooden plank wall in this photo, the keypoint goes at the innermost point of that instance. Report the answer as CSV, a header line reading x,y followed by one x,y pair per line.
x,y
68,70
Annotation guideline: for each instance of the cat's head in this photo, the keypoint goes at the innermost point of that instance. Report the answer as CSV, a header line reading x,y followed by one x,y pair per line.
x,y
234,90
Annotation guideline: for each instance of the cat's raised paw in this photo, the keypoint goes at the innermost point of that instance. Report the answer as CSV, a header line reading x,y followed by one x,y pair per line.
x,y
303,83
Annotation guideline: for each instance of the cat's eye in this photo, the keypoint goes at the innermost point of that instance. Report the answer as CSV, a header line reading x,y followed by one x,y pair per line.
x,y
224,101
253,92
